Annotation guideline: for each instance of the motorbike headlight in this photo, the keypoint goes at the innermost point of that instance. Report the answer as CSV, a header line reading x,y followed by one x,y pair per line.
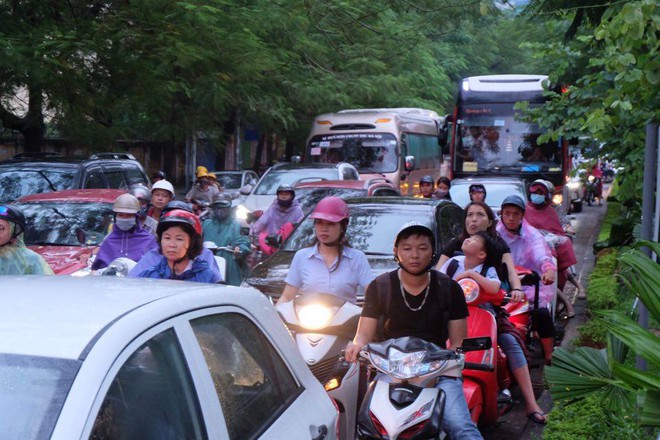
x,y
315,316
405,365
557,199
241,212
591,178
470,289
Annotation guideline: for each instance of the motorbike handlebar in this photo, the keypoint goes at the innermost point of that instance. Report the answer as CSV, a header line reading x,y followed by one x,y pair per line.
x,y
478,367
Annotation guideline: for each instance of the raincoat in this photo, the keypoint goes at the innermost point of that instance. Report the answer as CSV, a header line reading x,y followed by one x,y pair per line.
x,y
153,257
545,218
227,232
16,259
529,250
197,194
132,244
199,272
276,216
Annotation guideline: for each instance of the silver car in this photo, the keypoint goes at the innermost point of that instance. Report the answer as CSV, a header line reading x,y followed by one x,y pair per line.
x,y
497,189
117,358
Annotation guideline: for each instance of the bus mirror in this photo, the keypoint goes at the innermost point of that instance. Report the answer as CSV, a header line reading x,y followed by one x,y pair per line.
x,y
296,159
442,138
409,165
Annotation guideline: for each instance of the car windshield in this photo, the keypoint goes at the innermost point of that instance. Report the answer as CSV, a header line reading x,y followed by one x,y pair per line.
x,y
274,178
492,139
368,152
16,183
372,228
229,181
309,197
33,392
61,223
497,192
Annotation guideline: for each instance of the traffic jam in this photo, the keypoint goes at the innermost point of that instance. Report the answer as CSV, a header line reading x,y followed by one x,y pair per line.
x,y
397,280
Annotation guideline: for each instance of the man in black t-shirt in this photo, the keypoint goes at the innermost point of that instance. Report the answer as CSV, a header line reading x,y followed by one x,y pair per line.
x,y
415,301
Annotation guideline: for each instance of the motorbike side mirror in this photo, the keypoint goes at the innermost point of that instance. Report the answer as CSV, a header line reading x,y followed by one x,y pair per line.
x,y
476,344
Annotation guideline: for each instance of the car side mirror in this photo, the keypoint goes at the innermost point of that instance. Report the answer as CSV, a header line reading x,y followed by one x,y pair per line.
x,y
296,159
245,190
409,163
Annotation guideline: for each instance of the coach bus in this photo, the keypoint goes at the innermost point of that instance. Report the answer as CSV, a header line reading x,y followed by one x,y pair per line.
x,y
400,144
488,137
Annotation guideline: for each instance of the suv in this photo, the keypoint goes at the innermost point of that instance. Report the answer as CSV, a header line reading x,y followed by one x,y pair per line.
x,y
36,173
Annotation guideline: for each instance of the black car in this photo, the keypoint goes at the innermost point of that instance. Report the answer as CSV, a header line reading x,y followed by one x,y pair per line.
x,y
373,225
35,173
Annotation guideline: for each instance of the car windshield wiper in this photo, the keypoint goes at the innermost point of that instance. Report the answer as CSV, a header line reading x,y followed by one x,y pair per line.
x,y
52,187
378,254
47,243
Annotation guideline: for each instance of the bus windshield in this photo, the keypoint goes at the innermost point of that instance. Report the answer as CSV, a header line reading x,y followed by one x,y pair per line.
x,y
368,152
490,138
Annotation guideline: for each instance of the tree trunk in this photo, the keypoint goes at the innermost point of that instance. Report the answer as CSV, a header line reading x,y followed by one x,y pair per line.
x,y
256,166
31,126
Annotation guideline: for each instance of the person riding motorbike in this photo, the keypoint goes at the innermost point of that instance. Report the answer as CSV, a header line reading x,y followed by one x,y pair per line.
x,y
15,258
127,238
162,192
224,230
530,250
426,187
180,244
442,189
158,175
151,258
477,263
330,265
285,209
477,216
204,189
143,194
414,300
477,192
541,214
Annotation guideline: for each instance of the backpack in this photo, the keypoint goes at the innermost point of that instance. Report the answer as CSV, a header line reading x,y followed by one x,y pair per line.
x,y
384,290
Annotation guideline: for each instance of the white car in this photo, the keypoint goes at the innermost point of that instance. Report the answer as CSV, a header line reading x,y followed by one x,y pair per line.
x,y
121,358
265,192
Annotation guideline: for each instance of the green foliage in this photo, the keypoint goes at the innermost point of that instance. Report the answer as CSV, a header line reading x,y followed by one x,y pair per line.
x,y
613,76
604,373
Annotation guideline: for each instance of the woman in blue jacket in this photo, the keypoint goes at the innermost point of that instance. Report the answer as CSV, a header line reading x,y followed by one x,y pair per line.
x,y
180,243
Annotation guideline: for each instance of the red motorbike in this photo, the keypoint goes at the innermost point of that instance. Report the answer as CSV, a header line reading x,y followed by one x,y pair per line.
x,y
487,390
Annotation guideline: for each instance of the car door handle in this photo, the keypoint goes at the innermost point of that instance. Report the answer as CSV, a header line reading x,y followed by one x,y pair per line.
x,y
323,433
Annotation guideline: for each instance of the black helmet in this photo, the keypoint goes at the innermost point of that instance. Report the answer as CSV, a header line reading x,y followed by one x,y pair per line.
x,y
158,175
176,204
140,191
14,215
426,179
285,187
477,186
514,200
221,201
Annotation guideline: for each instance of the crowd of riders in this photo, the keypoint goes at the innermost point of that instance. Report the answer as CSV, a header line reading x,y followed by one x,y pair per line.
x,y
165,237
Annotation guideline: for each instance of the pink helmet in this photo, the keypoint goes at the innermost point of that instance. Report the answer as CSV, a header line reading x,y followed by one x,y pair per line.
x,y
331,209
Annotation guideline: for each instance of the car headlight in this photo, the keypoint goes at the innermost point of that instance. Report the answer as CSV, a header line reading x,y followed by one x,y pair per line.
x,y
242,212
405,365
470,289
557,199
315,316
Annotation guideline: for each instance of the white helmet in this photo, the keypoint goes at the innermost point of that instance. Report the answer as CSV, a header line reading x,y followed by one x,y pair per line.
x,y
163,184
127,204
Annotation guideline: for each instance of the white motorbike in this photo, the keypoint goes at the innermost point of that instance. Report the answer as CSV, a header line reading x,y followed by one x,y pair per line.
x,y
220,261
119,267
405,404
322,325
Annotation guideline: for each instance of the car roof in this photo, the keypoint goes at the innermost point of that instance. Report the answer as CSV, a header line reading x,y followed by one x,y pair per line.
x,y
345,184
398,200
75,195
62,316
303,166
486,179
40,160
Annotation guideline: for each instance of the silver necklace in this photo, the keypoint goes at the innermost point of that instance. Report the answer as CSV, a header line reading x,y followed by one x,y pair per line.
x,y
403,295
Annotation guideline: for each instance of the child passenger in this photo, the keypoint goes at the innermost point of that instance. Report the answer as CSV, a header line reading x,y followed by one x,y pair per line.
x,y
475,264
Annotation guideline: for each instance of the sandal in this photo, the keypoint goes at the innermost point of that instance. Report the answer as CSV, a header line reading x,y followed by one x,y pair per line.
x,y
581,294
538,417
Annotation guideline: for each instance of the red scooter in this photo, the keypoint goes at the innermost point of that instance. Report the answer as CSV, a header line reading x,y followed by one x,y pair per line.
x,y
486,391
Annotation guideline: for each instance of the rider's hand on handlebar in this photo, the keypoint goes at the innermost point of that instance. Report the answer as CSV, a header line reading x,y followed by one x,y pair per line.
x,y
352,352
548,277
517,295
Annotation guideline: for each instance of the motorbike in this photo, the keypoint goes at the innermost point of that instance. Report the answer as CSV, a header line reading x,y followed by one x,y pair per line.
x,y
593,190
322,325
402,403
119,267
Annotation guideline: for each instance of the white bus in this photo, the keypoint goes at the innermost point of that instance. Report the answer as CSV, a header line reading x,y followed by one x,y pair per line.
x,y
400,144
